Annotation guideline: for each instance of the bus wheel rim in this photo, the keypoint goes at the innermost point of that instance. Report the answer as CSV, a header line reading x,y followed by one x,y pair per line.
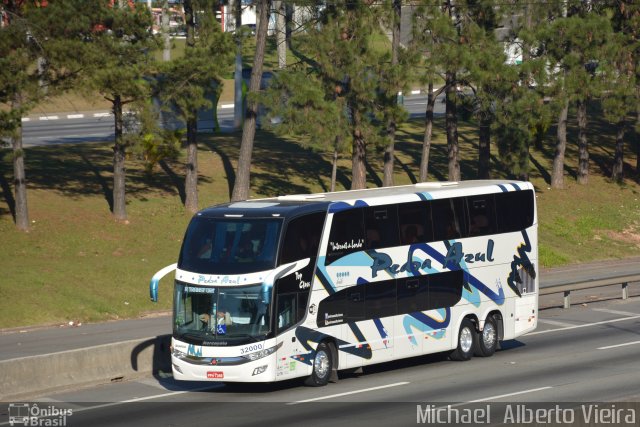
x,y
489,335
321,364
466,340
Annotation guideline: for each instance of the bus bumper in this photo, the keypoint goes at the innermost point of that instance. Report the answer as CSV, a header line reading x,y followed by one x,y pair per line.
x,y
261,370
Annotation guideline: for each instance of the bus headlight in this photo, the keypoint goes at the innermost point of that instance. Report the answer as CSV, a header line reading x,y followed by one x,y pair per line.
x,y
179,354
260,354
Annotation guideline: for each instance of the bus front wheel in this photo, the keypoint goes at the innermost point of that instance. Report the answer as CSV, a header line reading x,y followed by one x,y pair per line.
x,y
322,366
467,341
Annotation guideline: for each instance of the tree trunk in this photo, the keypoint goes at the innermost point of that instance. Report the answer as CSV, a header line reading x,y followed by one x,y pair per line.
x,y
334,169
241,187
637,134
389,160
191,177
617,172
281,35
583,148
119,155
524,163
428,130
451,117
484,147
238,105
19,176
358,155
166,37
540,134
557,174
288,8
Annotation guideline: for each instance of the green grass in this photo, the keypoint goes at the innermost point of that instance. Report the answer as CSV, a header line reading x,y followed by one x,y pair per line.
x,y
78,264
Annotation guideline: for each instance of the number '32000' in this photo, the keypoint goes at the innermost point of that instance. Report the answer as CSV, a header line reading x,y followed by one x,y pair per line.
x,y
250,348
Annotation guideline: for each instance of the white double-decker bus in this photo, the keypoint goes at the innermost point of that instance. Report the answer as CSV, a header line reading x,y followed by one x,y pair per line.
x,y
306,285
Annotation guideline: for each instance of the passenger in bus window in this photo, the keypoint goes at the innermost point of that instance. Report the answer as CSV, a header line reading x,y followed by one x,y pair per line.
x,y
411,234
205,250
246,251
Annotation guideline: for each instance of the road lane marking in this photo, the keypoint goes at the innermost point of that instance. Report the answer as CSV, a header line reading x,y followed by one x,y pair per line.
x,y
619,345
364,390
623,313
75,116
101,114
555,322
415,92
583,326
532,390
26,119
486,399
48,118
226,106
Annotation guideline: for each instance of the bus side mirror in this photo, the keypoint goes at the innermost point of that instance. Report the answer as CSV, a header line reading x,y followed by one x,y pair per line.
x,y
155,280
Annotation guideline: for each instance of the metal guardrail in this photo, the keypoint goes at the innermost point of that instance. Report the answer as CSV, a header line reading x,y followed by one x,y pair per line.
x,y
566,286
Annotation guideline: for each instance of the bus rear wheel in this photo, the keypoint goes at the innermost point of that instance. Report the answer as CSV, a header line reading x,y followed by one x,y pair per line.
x,y
322,366
467,341
488,338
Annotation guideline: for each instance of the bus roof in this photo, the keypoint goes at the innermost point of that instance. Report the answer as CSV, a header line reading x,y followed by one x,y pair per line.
x,y
293,205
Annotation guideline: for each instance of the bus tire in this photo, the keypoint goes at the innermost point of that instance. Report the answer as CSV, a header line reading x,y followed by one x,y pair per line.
x,y
488,338
467,339
322,366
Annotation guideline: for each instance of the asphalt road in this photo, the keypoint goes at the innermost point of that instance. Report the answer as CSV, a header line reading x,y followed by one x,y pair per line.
x,y
585,354
98,126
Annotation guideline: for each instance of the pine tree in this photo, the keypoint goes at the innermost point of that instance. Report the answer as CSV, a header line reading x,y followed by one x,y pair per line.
x,y
355,86
35,40
436,36
570,43
243,173
117,66
623,97
189,82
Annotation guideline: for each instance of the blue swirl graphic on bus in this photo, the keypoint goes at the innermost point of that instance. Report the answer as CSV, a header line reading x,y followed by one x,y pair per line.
x,y
425,323
384,334
498,297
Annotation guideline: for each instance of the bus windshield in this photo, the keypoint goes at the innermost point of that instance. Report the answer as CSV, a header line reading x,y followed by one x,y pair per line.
x,y
221,313
230,245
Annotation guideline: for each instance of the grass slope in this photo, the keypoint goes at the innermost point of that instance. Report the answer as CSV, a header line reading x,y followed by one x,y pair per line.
x,y
78,264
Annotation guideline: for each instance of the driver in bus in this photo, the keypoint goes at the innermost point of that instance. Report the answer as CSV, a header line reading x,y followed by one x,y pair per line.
x,y
224,318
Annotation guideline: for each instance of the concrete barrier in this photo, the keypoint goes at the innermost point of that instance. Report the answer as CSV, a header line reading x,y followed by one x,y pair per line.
x,y
35,375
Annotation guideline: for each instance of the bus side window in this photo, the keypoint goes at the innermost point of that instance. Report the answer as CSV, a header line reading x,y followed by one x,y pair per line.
x,y
381,226
481,214
449,219
347,234
286,311
514,210
445,289
302,238
415,223
380,299
412,294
